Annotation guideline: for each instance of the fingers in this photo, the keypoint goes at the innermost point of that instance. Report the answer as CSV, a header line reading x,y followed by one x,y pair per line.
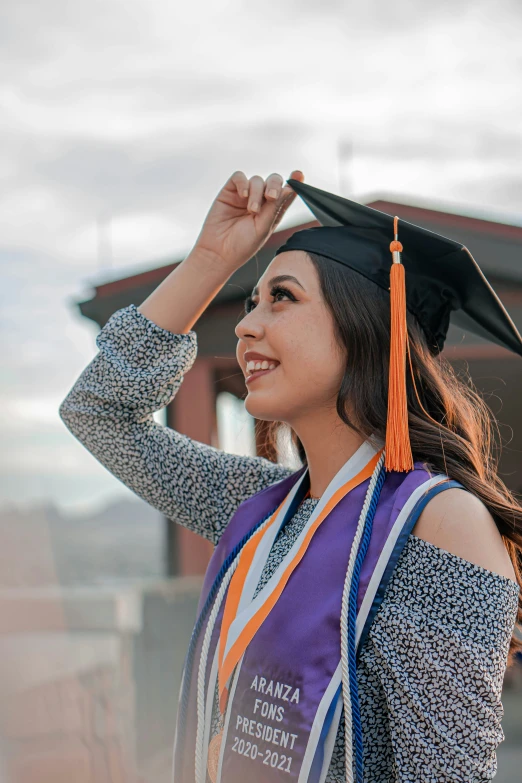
x,y
255,198
281,209
258,192
241,183
273,187
296,174
288,195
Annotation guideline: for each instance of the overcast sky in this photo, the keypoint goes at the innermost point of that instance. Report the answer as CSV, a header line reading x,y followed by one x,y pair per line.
x,y
142,110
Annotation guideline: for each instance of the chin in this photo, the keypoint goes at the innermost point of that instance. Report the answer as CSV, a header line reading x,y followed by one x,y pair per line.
x,y
262,409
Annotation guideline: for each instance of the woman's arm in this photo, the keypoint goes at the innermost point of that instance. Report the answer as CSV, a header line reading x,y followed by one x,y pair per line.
x,y
438,648
138,370
144,353
184,295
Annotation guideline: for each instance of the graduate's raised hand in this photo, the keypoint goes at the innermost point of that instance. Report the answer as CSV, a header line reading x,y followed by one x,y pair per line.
x,y
244,214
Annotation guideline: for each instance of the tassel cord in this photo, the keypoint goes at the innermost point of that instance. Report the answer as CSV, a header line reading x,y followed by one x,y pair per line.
x,y
398,448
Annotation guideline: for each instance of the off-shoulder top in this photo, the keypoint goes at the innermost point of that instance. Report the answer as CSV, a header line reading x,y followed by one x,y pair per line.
x,y
431,669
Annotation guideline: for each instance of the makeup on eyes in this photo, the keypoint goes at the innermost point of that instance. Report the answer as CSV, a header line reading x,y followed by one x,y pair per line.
x,y
276,289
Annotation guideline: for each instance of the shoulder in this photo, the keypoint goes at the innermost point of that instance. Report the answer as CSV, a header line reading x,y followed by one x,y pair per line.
x,y
458,521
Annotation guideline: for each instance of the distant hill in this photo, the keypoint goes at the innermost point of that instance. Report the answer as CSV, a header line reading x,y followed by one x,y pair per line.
x,y
42,546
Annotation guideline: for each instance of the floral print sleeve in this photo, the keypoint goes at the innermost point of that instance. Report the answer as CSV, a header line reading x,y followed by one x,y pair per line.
x,y
138,370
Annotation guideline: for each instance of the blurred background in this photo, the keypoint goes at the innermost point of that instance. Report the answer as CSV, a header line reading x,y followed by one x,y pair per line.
x,y
119,124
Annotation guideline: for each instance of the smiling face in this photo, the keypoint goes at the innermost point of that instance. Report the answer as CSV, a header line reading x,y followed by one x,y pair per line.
x,y
288,321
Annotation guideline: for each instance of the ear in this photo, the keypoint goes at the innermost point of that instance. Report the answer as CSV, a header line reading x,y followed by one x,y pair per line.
x,y
458,522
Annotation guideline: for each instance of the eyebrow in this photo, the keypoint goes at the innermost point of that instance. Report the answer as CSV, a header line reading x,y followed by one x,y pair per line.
x,y
278,279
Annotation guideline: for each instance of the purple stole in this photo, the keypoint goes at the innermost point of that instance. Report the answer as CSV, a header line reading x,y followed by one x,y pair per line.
x,y
285,697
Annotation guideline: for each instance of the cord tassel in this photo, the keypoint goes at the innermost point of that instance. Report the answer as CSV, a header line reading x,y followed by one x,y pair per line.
x,y
398,448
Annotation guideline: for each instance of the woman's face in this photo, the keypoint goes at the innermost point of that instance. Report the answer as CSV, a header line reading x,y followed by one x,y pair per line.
x,y
295,328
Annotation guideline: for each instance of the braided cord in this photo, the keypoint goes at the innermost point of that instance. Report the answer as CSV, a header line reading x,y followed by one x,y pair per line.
x,y
347,670
200,735
352,619
189,658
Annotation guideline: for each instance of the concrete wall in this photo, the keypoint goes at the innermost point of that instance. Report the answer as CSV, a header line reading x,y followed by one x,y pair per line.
x,y
89,680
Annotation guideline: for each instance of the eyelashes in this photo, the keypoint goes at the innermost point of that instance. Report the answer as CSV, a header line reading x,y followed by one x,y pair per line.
x,y
277,289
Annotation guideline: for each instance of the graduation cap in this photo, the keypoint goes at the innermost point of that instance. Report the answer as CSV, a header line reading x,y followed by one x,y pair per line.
x,y
434,277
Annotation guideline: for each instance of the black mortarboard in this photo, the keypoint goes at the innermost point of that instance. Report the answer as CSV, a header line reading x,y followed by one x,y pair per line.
x,y
442,277
439,279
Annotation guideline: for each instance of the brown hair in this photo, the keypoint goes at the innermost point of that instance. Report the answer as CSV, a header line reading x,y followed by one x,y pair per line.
x,y
459,438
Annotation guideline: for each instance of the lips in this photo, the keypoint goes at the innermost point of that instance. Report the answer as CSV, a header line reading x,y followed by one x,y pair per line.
x,y
258,374
252,356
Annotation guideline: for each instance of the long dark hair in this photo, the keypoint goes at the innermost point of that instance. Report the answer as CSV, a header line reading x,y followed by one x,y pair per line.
x,y
460,438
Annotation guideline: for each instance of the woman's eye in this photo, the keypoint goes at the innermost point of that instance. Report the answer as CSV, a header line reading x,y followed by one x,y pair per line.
x,y
280,291
275,292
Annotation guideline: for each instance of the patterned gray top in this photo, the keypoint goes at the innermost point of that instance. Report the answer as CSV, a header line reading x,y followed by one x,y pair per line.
x,y
431,670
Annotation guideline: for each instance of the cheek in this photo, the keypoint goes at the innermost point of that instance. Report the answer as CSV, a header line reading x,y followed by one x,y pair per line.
x,y
313,373
315,377
313,351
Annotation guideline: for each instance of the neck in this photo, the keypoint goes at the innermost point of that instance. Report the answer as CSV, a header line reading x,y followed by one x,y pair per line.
x,y
328,444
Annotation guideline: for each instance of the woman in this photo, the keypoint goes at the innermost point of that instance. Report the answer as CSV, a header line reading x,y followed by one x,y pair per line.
x,y
432,640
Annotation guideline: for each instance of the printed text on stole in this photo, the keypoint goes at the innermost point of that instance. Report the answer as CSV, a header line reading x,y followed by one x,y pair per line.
x,y
270,701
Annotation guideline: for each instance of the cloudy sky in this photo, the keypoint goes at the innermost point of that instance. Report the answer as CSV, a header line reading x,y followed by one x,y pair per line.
x,y
141,111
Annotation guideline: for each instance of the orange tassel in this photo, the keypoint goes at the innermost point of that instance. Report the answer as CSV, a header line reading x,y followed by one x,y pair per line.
x,y
398,448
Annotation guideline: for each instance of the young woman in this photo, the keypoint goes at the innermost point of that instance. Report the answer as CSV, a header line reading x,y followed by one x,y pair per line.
x,y
414,616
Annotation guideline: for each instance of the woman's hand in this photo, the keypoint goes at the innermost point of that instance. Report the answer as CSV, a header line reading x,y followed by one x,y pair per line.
x,y
243,216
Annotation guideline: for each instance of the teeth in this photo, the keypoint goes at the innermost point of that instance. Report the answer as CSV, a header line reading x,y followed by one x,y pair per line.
x,y
254,366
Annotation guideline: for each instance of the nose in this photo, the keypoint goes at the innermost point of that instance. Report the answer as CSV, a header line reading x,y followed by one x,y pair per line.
x,y
249,327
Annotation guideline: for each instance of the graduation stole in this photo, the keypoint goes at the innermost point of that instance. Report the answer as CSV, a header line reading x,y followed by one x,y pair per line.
x,y
276,659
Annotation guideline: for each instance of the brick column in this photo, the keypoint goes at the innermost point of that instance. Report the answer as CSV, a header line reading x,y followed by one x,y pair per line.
x,y
193,413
